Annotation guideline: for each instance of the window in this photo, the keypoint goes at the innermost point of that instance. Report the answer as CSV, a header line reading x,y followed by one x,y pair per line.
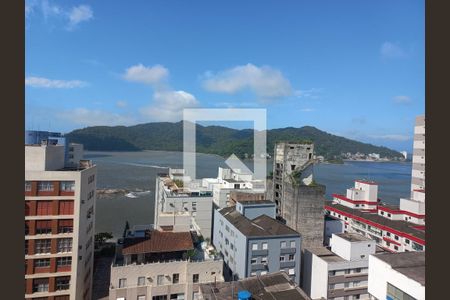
x,y
195,278
263,272
291,272
382,212
194,206
45,186
160,297
395,247
66,207
122,282
27,186
388,233
282,258
254,246
264,260
62,283
65,226
42,263
67,186
283,244
264,246
141,280
40,285
358,270
175,278
227,228
63,261
160,279
27,227
407,241
253,261
64,245
396,237
291,257
141,297
231,246
44,208
227,242
26,247
389,215
44,227
332,273
292,244
42,246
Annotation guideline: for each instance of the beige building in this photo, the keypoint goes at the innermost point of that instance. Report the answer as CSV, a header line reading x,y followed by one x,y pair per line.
x,y
59,224
160,265
418,159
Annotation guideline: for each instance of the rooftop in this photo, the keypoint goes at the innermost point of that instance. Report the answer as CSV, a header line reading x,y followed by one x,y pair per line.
x,y
328,256
274,286
410,264
366,182
157,242
398,225
353,237
260,226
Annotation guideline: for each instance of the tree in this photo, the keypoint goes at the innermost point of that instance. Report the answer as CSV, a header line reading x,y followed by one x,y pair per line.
x,y
102,237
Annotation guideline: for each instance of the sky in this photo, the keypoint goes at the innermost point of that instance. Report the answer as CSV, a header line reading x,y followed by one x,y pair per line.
x,y
352,68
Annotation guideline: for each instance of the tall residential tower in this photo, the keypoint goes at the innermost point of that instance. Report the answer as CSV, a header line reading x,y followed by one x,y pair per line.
x,y
59,223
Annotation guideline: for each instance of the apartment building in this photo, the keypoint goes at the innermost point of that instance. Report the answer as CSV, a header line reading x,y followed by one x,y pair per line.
x,y
182,204
395,276
274,286
396,229
252,242
158,265
340,272
231,180
298,197
418,158
59,223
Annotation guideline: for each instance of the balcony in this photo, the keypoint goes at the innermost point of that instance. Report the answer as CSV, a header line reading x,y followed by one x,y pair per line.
x,y
287,251
264,252
258,267
347,292
347,278
287,264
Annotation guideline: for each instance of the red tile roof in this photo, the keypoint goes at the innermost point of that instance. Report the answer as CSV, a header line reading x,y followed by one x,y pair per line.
x,y
159,241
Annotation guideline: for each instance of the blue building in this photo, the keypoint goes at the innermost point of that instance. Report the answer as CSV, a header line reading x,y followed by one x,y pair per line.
x,y
252,242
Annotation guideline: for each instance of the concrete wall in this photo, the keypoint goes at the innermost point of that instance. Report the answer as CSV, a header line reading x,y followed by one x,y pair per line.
x,y
44,158
332,226
380,273
358,250
315,276
252,211
304,212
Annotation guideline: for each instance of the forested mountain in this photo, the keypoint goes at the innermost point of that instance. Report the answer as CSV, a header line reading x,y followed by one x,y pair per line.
x,y
214,139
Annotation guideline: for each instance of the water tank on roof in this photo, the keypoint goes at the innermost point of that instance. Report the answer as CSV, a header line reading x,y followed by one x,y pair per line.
x,y
244,295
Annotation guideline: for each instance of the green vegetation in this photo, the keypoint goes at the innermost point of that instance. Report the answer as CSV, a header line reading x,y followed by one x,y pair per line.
x,y
215,140
179,183
102,237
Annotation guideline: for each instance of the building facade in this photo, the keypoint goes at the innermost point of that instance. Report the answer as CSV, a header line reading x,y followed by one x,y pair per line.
x,y
418,158
182,204
397,276
339,273
252,242
160,265
59,224
298,198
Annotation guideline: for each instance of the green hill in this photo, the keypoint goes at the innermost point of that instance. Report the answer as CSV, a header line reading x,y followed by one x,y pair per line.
x,y
214,139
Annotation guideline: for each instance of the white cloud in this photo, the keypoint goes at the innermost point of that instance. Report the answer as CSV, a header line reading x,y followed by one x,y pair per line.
x,y
86,117
50,10
392,137
402,99
148,75
392,50
307,109
169,105
121,104
80,14
311,93
265,81
41,82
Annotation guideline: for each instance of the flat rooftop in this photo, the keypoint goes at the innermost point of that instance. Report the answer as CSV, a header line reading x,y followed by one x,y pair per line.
x,y
259,227
410,264
157,242
353,237
398,225
275,286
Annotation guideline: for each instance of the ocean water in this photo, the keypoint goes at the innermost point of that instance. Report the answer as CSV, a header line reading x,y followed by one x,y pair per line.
x,y
137,171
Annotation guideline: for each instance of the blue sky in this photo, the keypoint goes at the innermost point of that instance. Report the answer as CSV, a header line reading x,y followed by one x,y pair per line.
x,y
351,68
